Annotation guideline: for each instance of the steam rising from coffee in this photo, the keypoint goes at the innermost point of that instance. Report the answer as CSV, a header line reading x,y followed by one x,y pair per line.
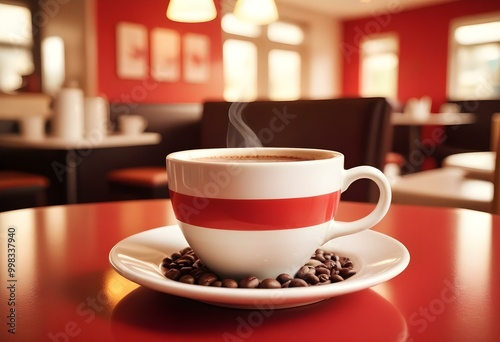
x,y
238,132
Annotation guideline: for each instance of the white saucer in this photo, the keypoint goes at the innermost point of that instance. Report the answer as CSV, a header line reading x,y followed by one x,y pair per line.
x,y
377,258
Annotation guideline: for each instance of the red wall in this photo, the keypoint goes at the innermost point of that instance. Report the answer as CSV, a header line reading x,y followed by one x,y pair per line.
x,y
151,14
423,38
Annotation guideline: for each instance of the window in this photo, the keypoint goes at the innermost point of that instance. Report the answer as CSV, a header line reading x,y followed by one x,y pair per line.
x,y
262,61
16,43
240,70
379,66
475,58
284,74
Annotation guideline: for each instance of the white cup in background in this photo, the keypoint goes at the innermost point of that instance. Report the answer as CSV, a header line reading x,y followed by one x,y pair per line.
x,y
68,114
33,127
96,116
132,124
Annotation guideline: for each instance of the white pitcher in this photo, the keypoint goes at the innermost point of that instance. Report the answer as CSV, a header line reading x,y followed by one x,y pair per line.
x,y
96,113
68,114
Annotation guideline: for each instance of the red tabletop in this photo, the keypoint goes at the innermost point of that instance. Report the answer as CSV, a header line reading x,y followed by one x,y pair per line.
x,y
63,288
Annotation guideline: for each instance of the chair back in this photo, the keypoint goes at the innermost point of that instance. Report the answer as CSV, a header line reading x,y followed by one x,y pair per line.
x,y
495,131
359,128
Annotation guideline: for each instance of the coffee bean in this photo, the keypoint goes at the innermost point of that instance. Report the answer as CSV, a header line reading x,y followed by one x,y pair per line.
x,y
323,278
286,284
167,261
186,270
175,256
304,271
173,274
343,271
348,264
330,264
349,274
314,262
283,278
230,283
186,260
323,268
187,250
207,279
198,272
297,282
198,264
335,278
269,283
320,257
249,282
311,279
187,279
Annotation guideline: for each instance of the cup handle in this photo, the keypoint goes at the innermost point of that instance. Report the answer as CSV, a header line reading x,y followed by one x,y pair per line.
x,y
339,228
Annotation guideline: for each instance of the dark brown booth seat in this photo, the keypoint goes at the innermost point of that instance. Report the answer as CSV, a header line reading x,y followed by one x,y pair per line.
x,y
358,127
469,138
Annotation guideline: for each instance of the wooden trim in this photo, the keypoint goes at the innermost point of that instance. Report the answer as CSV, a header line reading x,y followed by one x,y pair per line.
x,y
495,129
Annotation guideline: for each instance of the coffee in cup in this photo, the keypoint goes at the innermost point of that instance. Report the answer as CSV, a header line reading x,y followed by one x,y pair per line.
x,y
264,211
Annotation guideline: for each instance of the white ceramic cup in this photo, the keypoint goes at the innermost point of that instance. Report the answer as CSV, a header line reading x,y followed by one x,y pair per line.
x,y
33,127
68,117
132,124
96,117
264,211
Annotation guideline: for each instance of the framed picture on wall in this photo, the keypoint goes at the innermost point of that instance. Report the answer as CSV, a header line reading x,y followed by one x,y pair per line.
x,y
196,58
165,55
131,50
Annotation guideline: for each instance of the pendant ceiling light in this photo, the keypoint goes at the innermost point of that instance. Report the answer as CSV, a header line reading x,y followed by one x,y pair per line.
x,y
259,12
191,11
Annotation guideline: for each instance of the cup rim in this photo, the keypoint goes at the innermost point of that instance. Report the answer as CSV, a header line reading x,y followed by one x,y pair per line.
x,y
201,156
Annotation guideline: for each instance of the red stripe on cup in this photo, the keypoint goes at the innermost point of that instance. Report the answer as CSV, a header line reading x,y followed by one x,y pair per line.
x,y
255,214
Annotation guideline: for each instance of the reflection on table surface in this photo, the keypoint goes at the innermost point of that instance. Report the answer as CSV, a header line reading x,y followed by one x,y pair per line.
x,y
67,290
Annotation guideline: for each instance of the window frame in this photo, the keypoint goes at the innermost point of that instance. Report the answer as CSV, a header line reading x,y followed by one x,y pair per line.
x,y
33,6
264,46
451,81
392,35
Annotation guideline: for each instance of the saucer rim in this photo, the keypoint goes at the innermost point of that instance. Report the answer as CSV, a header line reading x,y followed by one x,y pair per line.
x,y
123,256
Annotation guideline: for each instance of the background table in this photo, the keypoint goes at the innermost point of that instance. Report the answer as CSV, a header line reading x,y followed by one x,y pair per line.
x,y
65,289
479,165
415,125
74,149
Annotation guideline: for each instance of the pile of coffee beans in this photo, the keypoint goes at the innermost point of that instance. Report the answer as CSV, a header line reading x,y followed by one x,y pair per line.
x,y
323,268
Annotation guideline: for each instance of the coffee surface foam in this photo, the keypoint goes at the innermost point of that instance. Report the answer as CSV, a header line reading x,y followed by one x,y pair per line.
x,y
254,158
